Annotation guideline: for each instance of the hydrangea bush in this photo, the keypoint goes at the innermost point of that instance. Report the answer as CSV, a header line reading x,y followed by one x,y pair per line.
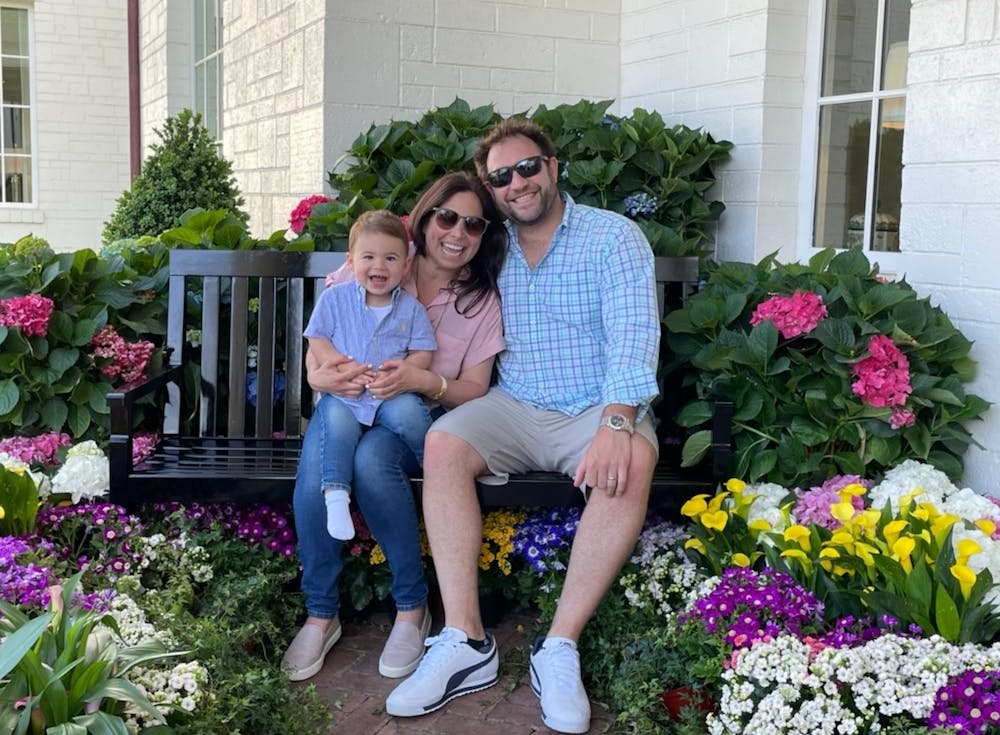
x,y
831,370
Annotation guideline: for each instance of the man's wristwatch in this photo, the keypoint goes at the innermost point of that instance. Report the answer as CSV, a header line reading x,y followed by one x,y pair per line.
x,y
618,422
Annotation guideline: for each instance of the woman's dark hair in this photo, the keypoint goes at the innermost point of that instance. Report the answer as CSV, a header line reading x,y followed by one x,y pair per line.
x,y
484,268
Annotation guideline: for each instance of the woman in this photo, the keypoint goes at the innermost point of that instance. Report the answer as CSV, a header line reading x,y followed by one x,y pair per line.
x,y
460,243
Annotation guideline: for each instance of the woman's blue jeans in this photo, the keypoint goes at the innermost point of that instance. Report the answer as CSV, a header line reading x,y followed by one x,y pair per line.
x,y
382,465
406,415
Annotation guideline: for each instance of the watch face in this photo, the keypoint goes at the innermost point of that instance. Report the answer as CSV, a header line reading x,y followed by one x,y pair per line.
x,y
616,421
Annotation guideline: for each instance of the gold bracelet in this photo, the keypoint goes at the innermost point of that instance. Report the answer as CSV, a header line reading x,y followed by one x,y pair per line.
x,y
444,389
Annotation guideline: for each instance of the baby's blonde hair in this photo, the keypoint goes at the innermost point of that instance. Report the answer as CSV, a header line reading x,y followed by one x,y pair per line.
x,y
378,220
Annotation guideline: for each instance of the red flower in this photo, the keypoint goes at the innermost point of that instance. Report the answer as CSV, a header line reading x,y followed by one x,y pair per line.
x,y
300,215
792,315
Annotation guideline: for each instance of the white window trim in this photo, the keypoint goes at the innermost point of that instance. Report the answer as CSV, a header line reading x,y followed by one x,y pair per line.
x,y
888,261
33,109
196,64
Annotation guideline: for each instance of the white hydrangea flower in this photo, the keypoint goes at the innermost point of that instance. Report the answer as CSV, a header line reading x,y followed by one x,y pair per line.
x,y
931,485
85,475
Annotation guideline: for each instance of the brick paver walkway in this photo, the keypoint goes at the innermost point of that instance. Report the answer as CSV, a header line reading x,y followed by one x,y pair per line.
x,y
351,684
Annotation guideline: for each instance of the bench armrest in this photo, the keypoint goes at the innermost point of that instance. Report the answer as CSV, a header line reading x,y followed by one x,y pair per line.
x,y
121,401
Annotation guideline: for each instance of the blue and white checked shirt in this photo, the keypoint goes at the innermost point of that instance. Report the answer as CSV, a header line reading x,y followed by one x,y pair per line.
x,y
582,328
342,317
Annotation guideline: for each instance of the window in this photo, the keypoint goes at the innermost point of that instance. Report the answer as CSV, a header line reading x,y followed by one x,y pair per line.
x,y
860,165
15,107
208,65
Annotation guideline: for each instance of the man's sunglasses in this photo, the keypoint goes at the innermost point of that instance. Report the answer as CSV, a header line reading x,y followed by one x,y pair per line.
x,y
448,218
526,168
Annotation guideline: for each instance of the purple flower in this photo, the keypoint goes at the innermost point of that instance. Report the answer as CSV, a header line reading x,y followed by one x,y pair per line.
x,y
968,704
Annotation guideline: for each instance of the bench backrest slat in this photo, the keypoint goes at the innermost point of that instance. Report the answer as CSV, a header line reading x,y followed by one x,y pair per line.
x,y
287,284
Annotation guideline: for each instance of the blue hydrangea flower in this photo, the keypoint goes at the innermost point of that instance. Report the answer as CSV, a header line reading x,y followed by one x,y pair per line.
x,y
640,204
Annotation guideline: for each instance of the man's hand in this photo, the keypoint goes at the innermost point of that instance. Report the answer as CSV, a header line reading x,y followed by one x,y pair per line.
x,y
605,463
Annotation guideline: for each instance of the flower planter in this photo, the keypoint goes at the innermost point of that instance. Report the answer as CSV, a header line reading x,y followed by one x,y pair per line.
x,y
679,698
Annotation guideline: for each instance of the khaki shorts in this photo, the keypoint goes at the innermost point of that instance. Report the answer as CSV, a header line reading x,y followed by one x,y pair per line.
x,y
513,437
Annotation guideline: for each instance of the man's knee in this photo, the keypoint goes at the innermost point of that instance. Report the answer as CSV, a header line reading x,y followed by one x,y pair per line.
x,y
448,452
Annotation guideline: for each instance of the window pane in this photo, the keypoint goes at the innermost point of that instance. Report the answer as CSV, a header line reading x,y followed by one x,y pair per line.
x,y
14,32
897,33
15,82
17,179
843,169
889,175
211,27
849,48
211,111
199,30
16,130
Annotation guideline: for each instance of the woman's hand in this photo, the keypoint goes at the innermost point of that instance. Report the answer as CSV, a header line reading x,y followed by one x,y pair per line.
x,y
340,376
396,376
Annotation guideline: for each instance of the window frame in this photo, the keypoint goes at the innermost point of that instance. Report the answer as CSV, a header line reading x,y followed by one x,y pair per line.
x,y
814,102
198,64
32,108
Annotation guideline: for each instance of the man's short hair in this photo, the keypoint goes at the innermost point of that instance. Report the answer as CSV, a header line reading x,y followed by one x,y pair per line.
x,y
378,220
509,128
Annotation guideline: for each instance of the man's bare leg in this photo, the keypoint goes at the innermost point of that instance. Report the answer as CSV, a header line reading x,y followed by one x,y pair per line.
x,y
454,525
604,540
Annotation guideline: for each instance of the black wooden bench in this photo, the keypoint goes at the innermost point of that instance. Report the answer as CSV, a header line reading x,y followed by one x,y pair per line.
x,y
218,447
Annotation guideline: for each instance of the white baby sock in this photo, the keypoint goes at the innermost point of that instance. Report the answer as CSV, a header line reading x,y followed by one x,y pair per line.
x,y
338,514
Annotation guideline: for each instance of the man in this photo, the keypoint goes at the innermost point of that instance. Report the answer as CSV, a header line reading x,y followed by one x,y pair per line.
x,y
582,332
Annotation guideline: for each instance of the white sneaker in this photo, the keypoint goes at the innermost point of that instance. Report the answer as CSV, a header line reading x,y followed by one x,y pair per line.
x,y
555,679
449,669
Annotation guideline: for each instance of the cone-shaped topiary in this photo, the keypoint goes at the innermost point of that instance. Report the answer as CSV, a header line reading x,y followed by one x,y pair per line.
x,y
185,171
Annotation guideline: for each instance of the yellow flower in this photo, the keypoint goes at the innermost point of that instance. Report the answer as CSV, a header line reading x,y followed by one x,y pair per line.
x,y
892,530
740,560
799,556
695,506
985,525
865,552
799,534
867,520
842,511
759,526
377,556
966,548
715,520
965,576
852,490
697,545
2,512
901,551
735,485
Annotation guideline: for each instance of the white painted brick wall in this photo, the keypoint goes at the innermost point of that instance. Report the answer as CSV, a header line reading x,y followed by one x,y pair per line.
x,y
709,65
951,189
81,134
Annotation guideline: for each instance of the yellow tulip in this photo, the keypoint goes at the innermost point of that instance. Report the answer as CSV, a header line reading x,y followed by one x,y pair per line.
x,y
695,506
799,534
901,551
740,560
716,520
2,512
987,526
735,485
965,576
892,530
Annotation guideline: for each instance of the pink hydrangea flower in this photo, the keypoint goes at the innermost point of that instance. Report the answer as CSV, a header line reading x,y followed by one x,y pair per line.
x,y
128,359
792,315
300,215
902,417
813,505
883,378
39,449
29,313
143,444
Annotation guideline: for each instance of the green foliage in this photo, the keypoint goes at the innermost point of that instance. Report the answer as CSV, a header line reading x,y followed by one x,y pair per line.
x,y
184,171
51,382
635,165
69,674
18,502
796,418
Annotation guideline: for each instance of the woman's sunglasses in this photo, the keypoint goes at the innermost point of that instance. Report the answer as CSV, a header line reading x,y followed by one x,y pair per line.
x,y
526,168
448,218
